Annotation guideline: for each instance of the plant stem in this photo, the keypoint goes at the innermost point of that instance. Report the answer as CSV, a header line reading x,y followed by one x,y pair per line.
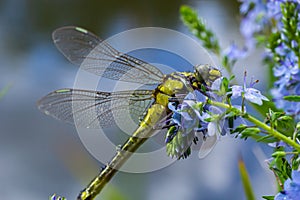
x,y
258,123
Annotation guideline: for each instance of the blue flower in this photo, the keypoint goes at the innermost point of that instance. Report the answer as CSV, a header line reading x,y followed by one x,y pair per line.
x,y
249,93
291,188
273,9
288,76
189,117
184,114
255,20
259,16
233,53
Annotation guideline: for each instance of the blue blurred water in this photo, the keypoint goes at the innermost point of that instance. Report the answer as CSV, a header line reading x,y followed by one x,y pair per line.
x,y
41,156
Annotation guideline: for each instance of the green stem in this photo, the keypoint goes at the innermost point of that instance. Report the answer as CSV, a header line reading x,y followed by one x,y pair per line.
x,y
258,123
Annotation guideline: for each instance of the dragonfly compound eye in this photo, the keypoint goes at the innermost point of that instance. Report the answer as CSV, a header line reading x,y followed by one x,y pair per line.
x,y
206,74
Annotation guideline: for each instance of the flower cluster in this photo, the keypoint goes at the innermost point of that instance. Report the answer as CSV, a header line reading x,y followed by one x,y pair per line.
x,y
195,118
192,120
277,25
256,19
284,48
260,18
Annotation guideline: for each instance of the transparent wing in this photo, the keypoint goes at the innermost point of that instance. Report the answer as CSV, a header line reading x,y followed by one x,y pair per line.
x,y
93,108
96,56
207,145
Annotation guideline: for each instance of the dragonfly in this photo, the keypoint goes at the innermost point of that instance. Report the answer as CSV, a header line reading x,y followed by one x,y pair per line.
x,y
96,56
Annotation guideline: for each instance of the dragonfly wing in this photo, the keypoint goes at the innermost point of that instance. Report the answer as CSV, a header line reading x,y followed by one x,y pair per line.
x,y
96,56
92,109
207,145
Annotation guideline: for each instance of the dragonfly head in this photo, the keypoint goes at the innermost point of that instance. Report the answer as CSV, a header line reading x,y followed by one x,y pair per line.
x,y
206,74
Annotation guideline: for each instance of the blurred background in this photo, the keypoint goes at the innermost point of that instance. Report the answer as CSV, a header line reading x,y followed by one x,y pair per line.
x,y
40,156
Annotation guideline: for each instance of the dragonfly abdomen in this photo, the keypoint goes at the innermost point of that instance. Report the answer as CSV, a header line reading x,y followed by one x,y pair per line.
x,y
154,114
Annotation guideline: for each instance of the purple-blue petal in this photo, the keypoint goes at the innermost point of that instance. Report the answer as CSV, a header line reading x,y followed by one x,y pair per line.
x,y
254,96
279,71
291,188
199,96
172,106
234,53
296,177
281,196
236,91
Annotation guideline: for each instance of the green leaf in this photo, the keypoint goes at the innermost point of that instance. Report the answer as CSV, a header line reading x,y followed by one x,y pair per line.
x,y
246,180
281,168
263,109
268,197
279,154
239,129
250,131
285,125
295,162
295,98
298,126
224,88
265,139
281,122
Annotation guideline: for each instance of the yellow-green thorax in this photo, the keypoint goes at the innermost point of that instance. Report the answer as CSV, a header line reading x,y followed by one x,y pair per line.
x,y
185,82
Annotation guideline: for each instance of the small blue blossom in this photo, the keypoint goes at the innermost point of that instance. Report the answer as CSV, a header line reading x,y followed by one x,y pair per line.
x,y
219,96
256,19
249,93
184,114
191,121
273,9
233,53
189,117
259,16
286,68
278,144
291,188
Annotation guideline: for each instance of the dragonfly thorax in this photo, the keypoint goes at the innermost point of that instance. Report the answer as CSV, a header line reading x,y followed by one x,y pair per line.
x,y
182,83
172,84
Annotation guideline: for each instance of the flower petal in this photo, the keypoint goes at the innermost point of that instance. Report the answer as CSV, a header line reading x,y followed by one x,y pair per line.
x,y
296,177
254,96
236,91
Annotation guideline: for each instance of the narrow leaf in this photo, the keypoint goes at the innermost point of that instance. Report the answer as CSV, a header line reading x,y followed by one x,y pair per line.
x,y
268,197
295,98
246,180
